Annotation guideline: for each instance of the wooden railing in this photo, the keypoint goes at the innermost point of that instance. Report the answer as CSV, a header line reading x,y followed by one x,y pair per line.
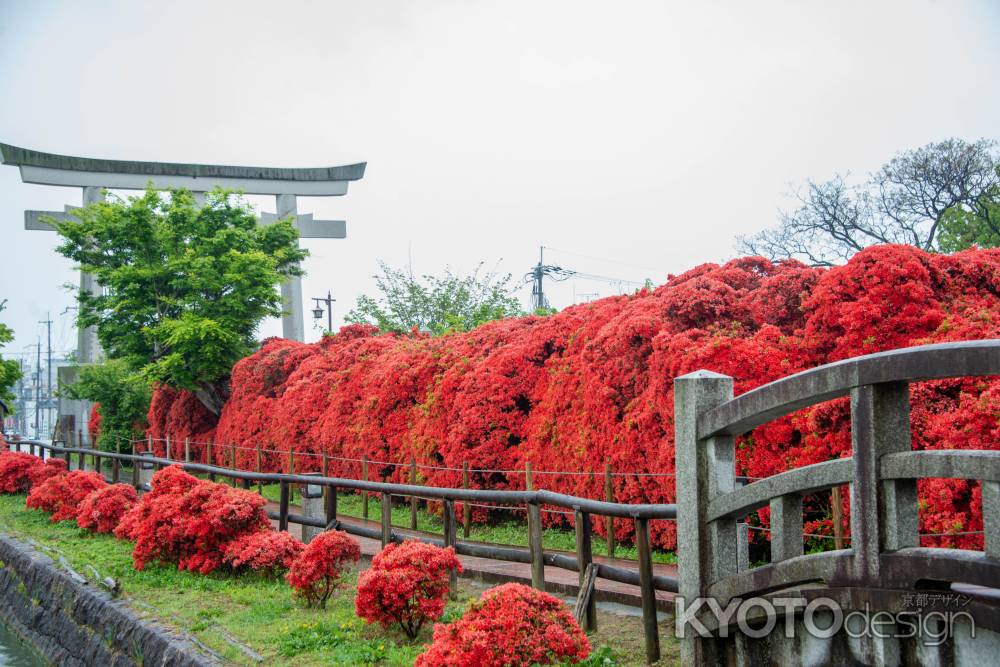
x,y
882,475
583,510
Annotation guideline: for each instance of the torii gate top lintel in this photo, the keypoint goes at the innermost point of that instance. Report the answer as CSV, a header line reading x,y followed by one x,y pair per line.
x,y
283,183
66,170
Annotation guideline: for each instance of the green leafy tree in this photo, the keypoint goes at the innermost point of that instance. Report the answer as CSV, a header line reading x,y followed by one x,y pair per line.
x,y
436,304
10,370
124,396
979,225
184,288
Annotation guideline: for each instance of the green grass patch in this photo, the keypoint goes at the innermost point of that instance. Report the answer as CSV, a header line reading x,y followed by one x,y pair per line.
x,y
234,614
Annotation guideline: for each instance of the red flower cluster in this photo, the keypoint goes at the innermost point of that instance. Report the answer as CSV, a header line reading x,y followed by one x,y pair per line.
x,y
265,551
316,571
189,521
102,510
94,423
61,495
511,626
593,384
407,585
52,467
16,470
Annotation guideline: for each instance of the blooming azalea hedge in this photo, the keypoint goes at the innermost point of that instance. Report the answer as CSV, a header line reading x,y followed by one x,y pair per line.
x,y
594,383
265,551
61,495
407,585
512,625
189,521
314,575
102,510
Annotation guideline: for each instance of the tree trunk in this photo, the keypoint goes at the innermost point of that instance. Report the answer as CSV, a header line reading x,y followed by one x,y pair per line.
x,y
212,396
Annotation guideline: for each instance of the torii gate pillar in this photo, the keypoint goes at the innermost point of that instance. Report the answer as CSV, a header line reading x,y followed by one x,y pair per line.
x,y
293,325
88,348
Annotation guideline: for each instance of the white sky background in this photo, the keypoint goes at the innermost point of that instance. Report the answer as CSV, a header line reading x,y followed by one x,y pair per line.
x,y
649,133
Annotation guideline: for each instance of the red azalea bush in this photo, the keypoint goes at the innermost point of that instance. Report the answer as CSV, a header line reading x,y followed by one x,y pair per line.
x,y
61,495
103,509
316,571
511,625
407,585
188,521
265,551
94,423
16,469
593,384
52,467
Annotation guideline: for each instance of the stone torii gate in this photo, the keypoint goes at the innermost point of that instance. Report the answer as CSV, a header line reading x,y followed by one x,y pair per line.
x,y
285,184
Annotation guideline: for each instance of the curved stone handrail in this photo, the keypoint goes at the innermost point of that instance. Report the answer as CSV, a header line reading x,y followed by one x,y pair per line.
x,y
817,385
807,479
943,463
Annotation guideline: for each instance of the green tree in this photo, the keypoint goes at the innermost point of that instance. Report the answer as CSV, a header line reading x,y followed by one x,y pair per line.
x,y
10,370
979,225
184,288
123,395
436,304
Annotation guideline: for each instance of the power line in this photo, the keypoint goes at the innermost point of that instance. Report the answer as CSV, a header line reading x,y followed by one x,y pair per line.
x,y
604,259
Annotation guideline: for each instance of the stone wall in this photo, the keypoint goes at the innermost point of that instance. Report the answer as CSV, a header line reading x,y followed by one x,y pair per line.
x,y
73,624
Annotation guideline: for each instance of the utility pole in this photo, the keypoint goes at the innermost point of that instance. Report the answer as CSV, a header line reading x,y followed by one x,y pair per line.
x,y
38,387
22,418
537,294
48,400
318,310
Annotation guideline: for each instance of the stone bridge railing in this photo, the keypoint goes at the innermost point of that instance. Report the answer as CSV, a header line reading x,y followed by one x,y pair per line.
x,y
885,563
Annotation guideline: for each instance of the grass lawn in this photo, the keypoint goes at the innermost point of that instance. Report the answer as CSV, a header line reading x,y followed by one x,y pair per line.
x,y
239,616
510,531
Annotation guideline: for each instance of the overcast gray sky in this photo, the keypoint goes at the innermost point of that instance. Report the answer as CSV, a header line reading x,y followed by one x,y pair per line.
x,y
648,133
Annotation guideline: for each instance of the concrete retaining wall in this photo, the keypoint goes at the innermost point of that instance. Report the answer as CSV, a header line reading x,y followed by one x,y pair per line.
x,y
76,625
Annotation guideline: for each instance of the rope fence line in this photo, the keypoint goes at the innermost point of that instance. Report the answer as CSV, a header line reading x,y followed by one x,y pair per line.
x,y
420,466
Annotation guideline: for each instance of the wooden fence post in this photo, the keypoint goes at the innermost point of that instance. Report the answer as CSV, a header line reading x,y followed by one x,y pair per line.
x,y
209,459
837,514
260,482
413,499
647,591
534,535
330,499
609,521
386,520
450,537
136,480
283,507
232,459
364,494
584,557
291,467
116,464
466,506
167,449
187,450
